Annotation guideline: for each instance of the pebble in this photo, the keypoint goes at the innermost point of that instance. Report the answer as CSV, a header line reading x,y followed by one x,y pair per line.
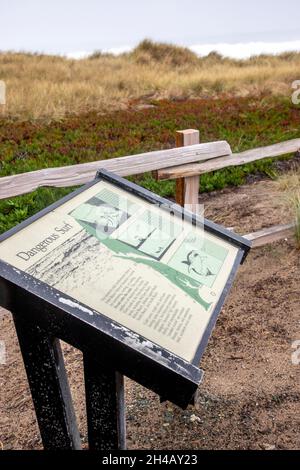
x,y
269,447
195,419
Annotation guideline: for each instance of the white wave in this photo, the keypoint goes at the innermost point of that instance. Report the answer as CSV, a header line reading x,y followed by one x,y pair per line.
x,y
84,54
119,50
77,55
246,50
237,51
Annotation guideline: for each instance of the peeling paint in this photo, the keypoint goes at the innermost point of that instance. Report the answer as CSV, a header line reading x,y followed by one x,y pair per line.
x,y
146,347
133,340
70,303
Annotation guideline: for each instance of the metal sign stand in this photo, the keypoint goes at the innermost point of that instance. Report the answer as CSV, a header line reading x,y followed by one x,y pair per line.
x,y
49,387
52,399
104,388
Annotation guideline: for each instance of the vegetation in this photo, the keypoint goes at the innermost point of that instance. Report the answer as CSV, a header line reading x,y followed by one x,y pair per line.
x,y
41,86
244,122
61,112
290,184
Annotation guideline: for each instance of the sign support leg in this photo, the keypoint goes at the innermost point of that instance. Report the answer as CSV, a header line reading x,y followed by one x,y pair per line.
x,y
49,386
104,388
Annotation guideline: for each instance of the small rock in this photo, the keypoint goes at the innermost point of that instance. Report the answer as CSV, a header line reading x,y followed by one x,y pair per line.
x,y
195,419
269,447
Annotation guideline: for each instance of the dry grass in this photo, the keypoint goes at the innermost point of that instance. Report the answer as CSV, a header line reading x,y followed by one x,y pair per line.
x,y
47,86
290,185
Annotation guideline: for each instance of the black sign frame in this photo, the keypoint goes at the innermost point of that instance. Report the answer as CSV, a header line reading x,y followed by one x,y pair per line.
x,y
39,316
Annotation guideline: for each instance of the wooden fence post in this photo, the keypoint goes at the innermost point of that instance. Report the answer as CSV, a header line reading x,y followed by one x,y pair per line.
x,y
187,189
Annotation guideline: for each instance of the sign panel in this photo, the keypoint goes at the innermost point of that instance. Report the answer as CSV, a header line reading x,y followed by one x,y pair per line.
x,y
144,267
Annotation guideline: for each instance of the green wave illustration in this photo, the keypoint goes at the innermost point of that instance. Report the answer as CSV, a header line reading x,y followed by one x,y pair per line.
x,y
122,250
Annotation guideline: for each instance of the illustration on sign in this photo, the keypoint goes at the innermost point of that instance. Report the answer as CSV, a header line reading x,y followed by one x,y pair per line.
x,y
128,259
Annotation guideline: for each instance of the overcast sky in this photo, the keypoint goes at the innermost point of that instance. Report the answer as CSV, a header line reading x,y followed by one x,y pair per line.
x,y
69,26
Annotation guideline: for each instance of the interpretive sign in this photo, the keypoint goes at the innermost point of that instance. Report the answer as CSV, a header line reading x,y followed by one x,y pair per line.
x,y
142,270
137,264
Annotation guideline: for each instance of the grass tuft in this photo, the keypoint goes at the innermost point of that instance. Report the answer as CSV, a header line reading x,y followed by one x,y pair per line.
x,y
149,52
290,185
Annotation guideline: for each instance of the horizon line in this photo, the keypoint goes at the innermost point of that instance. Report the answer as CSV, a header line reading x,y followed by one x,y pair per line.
x,y
238,50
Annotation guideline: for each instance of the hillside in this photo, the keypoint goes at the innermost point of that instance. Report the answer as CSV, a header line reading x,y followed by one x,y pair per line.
x,y
41,86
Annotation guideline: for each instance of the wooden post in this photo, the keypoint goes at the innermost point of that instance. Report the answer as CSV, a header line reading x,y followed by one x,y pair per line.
x,y
187,189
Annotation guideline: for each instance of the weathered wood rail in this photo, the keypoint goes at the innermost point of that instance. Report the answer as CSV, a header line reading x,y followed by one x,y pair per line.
x,y
235,159
73,175
271,234
185,163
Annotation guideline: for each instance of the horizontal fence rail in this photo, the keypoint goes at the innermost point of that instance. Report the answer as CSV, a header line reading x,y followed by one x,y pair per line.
x,y
184,163
73,175
235,159
271,234
167,164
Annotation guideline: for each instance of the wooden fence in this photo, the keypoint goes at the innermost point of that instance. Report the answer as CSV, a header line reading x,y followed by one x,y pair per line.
x,y
185,163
